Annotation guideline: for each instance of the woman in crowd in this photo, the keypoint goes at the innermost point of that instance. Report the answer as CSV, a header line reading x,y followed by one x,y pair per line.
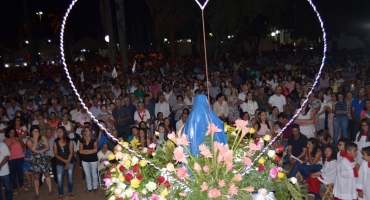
x,y
106,117
221,108
340,121
233,102
179,107
365,112
50,139
306,119
320,116
20,129
312,162
16,158
273,116
325,138
149,135
167,125
88,149
297,92
39,162
158,121
262,125
144,140
68,126
363,138
245,116
249,105
53,122
64,154
103,155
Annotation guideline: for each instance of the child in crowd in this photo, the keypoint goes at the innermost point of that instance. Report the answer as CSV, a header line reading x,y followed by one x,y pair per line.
x,y
362,139
363,186
345,182
325,138
162,137
326,175
26,168
341,148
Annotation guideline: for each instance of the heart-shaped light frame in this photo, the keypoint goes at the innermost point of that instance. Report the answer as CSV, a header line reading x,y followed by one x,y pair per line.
x,y
202,7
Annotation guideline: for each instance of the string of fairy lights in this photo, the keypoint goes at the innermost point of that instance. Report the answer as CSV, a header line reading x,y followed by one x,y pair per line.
x,y
202,7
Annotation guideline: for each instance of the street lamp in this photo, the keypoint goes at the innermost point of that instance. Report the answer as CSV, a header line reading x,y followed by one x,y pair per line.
x,y
106,38
40,13
273,34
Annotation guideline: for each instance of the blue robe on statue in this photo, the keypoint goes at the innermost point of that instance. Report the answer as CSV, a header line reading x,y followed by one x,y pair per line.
x,y
197,124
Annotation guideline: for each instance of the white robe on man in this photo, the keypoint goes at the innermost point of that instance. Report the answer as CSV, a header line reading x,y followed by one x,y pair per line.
x,y
361,144
345,183
364,180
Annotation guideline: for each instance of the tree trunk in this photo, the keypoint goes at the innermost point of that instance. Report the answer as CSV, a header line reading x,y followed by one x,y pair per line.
x,y
112,39
172,42
121,24
31,42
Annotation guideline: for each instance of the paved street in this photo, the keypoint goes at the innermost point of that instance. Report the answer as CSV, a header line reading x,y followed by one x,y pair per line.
x,y
78,189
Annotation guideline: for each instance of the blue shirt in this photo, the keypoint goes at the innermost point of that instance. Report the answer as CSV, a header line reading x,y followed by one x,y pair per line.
x,y
358,106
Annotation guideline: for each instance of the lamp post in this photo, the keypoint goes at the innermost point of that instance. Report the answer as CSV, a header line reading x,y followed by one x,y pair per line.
x,y
40,13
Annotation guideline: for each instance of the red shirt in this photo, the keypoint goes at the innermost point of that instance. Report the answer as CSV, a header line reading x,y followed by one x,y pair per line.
x,y
287,132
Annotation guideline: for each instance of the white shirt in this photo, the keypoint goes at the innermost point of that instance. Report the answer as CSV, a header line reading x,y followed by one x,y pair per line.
x,y
74,114
4,151
249,107
242,96
345,183
116,92
82,118
188,102
179,124
162,107
95,111
278,101
363,180
132,89
221,109
145,116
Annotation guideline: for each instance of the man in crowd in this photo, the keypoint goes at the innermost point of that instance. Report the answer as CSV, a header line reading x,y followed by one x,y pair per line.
x,y
277,100
123,118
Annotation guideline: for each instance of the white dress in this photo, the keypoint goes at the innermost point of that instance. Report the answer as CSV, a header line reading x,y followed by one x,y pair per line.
x,y
345,182
363,180
328,172
360,144
308,131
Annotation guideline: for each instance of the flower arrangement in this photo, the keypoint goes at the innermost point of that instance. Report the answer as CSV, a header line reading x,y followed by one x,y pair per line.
x,y
218,172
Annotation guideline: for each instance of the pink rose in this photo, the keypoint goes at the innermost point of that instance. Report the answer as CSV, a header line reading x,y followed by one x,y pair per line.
x,y
214,193
279,168
273,173
154,197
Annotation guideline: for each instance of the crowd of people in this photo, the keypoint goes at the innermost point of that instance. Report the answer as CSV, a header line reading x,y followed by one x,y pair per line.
x,y
46,132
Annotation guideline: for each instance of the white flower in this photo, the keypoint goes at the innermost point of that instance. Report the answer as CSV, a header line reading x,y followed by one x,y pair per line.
x,y
112,197
118,147
129,192
152,145
164,169
134,160
153,154
144,191
271,153
117,191
293,180
161,197
261,141
170,167
119,155
233,133
125,156
114,180
121,185
145,150
151,186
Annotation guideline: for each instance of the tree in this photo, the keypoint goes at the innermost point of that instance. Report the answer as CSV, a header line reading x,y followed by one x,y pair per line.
x,y
107,20
169,16
121,25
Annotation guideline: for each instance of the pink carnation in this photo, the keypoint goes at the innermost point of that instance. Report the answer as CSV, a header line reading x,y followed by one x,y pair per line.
x,y
233,190
238,177
239,123
214,193
206,169
212,128
182,140
172,136
182,173
154,197
204,187
279,168
204,150
197,167
247,161
179,155
221,183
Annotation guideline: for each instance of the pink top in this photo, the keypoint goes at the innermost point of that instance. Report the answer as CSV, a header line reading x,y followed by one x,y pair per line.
x,y
16,150
363,113
290,85
155,87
